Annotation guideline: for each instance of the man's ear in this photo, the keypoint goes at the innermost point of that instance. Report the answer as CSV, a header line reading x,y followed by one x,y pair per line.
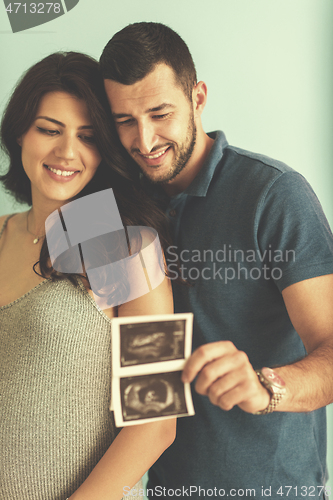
x,y
19,141
199,97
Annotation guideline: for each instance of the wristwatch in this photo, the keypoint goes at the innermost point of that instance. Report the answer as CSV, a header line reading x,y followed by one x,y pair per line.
x,y
275,385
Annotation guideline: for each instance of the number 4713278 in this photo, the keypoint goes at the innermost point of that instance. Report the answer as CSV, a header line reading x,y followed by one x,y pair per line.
x,y
34,8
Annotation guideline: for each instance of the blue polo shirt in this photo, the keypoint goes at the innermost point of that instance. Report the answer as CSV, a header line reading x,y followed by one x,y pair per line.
x,y
246,228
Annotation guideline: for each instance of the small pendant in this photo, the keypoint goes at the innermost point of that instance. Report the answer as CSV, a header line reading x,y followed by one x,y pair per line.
x,y
36,240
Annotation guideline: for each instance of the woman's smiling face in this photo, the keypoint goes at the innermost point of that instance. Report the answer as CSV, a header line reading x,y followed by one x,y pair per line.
x,y
59,154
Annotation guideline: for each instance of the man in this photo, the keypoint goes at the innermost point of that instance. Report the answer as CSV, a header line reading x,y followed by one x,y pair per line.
x,y
253,241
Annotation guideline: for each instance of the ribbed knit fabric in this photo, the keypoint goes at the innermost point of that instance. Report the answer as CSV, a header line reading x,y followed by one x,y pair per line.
x,y
55,371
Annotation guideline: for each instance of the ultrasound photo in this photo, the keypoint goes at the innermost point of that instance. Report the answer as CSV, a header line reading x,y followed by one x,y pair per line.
x,y
151,396
148,356
151,342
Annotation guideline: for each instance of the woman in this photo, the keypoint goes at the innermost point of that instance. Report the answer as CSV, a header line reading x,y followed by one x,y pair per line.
x,y
57,434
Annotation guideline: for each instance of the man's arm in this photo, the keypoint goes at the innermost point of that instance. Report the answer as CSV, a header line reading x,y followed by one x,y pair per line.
x,y
226,376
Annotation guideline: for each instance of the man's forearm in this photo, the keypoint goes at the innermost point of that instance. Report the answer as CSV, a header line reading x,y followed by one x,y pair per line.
x,y
309,382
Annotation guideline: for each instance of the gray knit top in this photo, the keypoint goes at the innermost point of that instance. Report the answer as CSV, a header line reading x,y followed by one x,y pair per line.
x,y
55,422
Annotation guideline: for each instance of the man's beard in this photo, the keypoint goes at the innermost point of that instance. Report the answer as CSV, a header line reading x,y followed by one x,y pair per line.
x,y
182,158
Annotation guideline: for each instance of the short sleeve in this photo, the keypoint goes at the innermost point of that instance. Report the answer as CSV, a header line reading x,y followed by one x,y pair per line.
x,y
293,233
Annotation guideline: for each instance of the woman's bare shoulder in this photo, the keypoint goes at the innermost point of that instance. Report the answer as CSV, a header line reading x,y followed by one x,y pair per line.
x,y
4,217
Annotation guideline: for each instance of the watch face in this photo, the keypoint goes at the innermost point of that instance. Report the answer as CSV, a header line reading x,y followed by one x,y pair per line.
x,y
273,377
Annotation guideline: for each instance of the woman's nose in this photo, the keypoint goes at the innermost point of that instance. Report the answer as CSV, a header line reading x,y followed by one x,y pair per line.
x,y
66,148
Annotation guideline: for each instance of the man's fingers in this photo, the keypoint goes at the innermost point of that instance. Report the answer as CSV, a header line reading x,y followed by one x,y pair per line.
x,y
227,393
226,376
225,366
239,387
204,355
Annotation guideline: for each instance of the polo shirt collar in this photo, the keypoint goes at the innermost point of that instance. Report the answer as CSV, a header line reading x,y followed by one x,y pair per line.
x,y
200,184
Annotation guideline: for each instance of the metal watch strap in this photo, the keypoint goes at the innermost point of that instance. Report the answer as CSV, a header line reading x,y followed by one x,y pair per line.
x,y
275,396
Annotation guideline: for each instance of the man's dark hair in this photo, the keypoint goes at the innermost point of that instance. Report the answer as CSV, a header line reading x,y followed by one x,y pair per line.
x,y
133,53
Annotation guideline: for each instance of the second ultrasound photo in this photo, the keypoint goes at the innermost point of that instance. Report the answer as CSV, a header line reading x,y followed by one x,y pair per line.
x,y
151,396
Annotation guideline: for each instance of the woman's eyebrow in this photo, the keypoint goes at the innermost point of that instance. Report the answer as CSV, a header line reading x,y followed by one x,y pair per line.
x,y
84,127
51,120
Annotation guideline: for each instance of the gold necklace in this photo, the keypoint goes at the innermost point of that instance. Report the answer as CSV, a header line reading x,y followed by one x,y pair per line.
x,y
36,238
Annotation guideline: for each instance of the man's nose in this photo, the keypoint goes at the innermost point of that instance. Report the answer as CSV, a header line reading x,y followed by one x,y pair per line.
x,y
147,137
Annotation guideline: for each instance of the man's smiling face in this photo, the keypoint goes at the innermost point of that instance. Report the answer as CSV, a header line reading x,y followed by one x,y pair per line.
x,y
155,123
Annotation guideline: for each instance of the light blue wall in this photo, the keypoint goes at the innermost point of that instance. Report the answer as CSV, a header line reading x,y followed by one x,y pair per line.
x,y
267,64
